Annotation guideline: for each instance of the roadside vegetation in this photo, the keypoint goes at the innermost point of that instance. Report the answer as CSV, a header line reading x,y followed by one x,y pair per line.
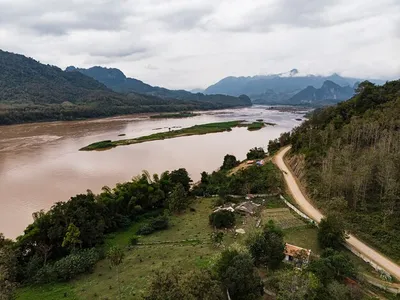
x,y
194,130
350,155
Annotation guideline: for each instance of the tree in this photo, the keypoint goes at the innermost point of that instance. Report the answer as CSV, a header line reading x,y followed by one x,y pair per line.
x,y
297,285
230,162
71,238
236,272
175,284
222,219
8,269
267,247
338,291
116,255
177,200
332,265
331,233
181,176
256,153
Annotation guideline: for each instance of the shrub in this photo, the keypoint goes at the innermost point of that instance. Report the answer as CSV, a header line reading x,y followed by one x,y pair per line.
x,y
222,219
134,240
68,267
155,224
145,229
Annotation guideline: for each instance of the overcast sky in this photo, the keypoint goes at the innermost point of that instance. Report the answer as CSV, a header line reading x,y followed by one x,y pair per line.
x,y
190,43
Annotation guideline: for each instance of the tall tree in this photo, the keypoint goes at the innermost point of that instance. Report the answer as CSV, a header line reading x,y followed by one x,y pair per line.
x,y
230,162
267,247
331,233
177,200
237,273
8,269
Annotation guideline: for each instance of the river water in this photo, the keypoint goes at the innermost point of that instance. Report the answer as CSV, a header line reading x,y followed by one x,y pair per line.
x,y
41,164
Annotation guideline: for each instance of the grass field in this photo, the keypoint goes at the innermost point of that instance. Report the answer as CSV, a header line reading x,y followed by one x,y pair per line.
x,y
141,261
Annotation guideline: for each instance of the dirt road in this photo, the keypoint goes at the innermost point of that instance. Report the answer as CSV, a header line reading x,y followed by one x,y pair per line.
x,y
316,215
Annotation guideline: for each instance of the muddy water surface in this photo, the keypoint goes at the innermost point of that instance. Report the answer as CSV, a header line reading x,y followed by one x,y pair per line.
x,y
41,164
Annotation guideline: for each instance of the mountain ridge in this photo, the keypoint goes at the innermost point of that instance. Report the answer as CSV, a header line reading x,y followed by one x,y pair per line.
x,y
329,93
31,91
116,80
276,88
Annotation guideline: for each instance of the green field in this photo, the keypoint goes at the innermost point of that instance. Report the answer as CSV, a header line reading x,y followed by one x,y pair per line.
x,y
140,261
194,130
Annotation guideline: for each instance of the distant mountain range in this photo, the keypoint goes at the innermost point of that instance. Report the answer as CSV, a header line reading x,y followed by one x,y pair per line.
x,y
287,88
329,93
116,80
31,91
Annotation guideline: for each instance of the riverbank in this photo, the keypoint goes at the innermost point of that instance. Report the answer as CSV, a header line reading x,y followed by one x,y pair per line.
x,y
174,115
194,130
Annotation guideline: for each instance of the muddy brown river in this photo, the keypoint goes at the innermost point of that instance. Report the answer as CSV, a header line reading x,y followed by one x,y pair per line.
x,y
41,164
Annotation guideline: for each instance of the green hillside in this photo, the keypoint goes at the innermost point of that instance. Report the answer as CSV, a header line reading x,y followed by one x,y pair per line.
x,y
31,91
351,158
116,80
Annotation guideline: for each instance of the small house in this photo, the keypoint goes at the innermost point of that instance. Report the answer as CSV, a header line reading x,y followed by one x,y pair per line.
x,y
297,254
248,207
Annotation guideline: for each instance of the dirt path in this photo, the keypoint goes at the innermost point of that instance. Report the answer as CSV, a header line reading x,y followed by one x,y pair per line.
x,y
316,215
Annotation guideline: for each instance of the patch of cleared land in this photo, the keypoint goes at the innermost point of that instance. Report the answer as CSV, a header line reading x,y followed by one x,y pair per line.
x,y
194,130
281,217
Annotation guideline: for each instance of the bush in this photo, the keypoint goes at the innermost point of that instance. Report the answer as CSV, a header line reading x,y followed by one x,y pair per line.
x,y
145,229
134,240
256,153
155,224
222,219
68,267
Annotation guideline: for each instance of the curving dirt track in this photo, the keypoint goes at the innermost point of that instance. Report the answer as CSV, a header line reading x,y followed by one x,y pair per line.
x,y
316,215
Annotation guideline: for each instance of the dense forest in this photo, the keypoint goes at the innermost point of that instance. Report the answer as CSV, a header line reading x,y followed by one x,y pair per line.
x,y
351,155
31,91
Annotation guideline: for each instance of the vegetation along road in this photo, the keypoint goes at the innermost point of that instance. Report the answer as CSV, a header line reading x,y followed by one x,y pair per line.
x,y
316,215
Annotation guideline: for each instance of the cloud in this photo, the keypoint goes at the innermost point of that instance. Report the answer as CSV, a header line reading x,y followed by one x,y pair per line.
x,y
194,43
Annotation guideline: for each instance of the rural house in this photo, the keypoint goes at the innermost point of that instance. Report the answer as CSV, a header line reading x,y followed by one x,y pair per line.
x,y
296,254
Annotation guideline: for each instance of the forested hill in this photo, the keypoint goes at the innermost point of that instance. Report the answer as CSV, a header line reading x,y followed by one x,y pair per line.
x,y
31,91
116,80
352,162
